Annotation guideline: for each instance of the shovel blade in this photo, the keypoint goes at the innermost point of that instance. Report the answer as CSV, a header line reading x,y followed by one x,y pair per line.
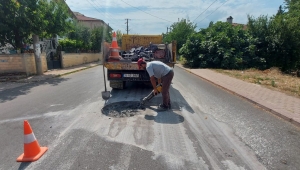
x,y
105,95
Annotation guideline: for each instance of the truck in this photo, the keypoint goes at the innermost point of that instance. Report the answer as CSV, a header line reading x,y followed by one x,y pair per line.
x,y
125,69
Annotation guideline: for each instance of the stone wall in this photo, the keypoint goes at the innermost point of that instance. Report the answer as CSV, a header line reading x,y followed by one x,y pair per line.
x,y
11,63
74,59
44,62
29,64
25,63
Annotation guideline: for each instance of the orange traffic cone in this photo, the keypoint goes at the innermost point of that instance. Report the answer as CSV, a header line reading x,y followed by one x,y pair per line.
x,y
32,149
114,54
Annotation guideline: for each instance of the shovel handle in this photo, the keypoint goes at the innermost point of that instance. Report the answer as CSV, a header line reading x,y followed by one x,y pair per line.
x,y
104,76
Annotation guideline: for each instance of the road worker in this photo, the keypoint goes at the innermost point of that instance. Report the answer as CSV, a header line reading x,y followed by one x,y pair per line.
x,y
164,74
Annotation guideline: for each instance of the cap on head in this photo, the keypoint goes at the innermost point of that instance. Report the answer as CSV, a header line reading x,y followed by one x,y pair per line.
x,y
140,62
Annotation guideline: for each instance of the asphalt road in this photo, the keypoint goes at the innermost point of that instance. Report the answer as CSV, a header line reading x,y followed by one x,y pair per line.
x,y
208,128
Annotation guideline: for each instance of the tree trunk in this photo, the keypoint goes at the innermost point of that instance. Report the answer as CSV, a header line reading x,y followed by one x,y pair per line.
x,y
18,39
37,54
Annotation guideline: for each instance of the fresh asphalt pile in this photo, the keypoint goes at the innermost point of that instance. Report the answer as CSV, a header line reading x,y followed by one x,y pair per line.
x,y
123,109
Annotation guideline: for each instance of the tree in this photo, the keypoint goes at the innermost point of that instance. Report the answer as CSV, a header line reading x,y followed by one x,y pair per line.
x,y
280,11
57,18
20,19
119,37
75,33
99,35
221,46
180,32
260,28
279,37
86,37
292,20
80,33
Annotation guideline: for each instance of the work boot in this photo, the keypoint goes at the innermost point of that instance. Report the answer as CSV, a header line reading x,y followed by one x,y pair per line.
x,y
162,107
169,105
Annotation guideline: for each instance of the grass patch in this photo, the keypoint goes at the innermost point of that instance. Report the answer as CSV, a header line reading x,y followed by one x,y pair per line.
x,y
181,60
271,78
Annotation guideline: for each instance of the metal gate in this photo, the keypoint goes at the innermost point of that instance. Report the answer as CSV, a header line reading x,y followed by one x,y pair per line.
x,y
54,61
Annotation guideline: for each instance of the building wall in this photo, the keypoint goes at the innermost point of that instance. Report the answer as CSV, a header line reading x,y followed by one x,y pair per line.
x,y
11,63
29,64
44,62
25,63
74,59
92,24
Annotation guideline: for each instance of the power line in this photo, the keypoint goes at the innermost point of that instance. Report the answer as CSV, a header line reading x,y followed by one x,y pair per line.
x,y
214,11
105,13
146,12
98,10
205,10
109,16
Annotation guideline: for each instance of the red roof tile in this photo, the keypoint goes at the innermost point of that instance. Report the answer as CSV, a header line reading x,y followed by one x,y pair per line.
x,y
84,18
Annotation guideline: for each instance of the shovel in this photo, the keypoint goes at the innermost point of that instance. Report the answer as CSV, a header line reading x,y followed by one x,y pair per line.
x,y
105,94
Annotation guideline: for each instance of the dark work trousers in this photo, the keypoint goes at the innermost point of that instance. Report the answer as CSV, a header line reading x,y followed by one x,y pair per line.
x,y
166,82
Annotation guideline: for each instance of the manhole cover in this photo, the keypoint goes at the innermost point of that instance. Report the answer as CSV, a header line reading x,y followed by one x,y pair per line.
x,y
122,109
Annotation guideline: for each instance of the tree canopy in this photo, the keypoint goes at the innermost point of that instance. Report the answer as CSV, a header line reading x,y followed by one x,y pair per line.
x,y
180,31
266,42
20,19
221,46
119,37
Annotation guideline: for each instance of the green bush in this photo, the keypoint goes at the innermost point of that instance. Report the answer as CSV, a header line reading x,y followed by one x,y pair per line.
x,y
222,46
72,45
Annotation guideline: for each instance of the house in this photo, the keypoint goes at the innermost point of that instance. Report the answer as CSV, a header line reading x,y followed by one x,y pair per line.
x,y
84,20
90,22
230,20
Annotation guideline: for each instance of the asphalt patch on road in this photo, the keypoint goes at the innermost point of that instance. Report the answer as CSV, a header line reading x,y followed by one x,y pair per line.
x,y
123,109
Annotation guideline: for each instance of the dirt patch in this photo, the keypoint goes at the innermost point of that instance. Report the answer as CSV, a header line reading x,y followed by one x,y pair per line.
x,y
271,78
123,109
11,77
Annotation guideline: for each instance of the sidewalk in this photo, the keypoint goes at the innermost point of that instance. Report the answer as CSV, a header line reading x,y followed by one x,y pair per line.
x,y
15,80
280,104
57,73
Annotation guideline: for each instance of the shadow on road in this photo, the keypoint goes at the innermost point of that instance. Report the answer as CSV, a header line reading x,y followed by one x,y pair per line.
x,y
178,101
12,93
24,165
135,91
165,117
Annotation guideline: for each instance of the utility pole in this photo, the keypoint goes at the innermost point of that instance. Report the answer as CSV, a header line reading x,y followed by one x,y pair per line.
x,y
167,29
127,25
37,54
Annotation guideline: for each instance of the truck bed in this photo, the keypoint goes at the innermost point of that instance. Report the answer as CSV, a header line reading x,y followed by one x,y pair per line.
x,y
121,71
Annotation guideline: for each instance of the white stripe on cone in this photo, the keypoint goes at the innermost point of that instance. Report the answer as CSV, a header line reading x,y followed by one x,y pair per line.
x,y
114,39
29,138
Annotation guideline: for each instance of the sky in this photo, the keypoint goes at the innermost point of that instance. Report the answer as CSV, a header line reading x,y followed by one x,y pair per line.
x,y
156,16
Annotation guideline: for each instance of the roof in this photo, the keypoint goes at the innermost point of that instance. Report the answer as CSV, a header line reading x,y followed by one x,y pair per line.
x,y
84,18
237,24
81,17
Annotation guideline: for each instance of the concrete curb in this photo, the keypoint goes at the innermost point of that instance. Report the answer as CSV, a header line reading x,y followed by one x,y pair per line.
x,y
55,76
276,113
77,70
